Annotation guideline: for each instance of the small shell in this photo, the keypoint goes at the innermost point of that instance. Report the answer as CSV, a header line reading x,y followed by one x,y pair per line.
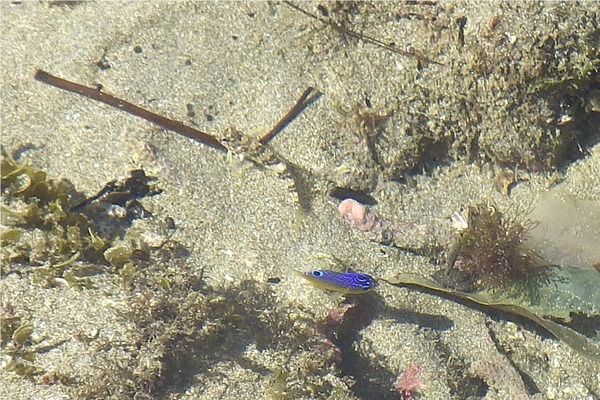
x,y
22,334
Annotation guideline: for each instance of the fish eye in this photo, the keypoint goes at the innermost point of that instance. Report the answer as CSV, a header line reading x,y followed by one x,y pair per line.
x,y
317,274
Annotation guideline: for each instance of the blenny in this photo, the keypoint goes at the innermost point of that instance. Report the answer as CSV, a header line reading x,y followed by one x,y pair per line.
x,y
342,282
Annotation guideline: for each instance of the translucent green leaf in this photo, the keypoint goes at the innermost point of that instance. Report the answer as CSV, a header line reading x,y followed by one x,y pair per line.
x,y
577,342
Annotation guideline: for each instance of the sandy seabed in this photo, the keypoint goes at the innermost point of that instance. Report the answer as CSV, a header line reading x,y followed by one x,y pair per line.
x,y
450,127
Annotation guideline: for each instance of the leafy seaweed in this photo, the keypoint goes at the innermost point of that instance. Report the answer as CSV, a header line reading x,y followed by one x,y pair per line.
x,y
38,230
551,304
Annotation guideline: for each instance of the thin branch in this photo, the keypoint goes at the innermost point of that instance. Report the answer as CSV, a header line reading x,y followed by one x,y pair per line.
x,y
164,122
303,101
364,37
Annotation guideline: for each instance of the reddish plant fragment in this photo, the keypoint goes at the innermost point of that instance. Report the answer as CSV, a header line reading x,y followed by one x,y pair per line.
x,y
410,381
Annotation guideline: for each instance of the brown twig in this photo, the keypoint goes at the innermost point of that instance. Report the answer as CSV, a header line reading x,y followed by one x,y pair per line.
x,y
97,95
176,126
303,101
362,36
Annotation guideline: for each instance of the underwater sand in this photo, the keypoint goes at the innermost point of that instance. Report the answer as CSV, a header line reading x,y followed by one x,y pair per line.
x,y
216,65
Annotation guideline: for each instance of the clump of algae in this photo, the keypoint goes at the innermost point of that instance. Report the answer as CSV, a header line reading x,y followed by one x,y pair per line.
x,y
185,331
491,253
16,345
38,236
191,335
39,233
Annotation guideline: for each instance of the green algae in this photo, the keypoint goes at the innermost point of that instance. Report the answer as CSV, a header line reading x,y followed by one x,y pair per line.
x,y
574,291
48,233
182,326
537,313
39,233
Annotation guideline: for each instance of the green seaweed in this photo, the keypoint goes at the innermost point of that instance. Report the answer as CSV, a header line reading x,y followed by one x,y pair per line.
x,y
43,234
21,349
17,346
39,233
584,346
575,291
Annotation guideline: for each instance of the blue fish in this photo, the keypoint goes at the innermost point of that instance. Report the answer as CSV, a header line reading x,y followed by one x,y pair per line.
x,y
342,282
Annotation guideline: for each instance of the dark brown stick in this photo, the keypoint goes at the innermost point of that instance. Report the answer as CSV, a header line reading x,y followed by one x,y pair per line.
x,y
164,122
301,104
